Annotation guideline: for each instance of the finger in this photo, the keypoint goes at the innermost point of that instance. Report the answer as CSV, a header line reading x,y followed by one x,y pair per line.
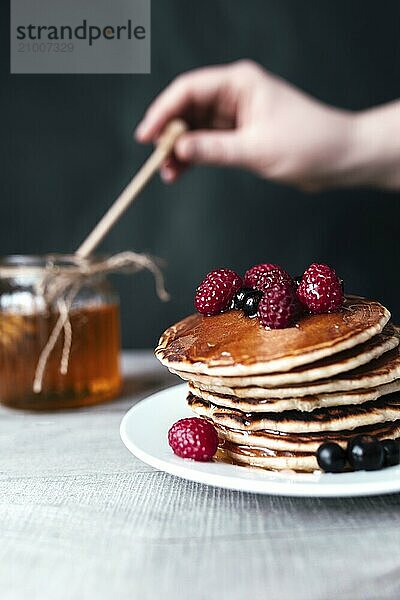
x,y
170,175
200,87
209,147
171,169
167,174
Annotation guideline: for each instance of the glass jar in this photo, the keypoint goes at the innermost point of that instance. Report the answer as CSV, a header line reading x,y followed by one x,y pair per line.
x,y
83,366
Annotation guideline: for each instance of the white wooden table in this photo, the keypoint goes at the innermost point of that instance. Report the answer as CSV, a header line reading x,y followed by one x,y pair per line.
x,y
82,519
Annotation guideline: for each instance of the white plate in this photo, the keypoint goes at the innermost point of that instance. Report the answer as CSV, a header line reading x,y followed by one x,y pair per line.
x,y
144,431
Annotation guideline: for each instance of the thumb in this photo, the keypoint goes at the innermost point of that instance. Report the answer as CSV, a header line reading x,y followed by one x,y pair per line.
x,y
210,147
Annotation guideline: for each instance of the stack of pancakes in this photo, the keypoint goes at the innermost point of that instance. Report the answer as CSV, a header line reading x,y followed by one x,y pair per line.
x,y
275,396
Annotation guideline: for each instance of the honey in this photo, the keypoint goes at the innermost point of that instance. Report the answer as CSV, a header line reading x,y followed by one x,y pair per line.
x,y
92,374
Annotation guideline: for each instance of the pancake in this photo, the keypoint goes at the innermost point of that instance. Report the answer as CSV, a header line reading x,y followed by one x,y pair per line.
x,y
379,372
294,459
269,450
335,418
328,367
301,404
263,458
275,396
233,344
307,442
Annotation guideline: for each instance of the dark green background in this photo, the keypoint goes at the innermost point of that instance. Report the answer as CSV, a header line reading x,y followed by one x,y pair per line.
x,y
67,150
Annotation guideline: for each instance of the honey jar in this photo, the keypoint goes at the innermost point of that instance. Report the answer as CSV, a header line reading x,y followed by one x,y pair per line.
x,y
46,368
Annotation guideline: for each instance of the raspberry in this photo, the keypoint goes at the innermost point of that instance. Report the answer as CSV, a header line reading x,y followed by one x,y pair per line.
x,y
215,294
193,438
263,276
279,306
320,289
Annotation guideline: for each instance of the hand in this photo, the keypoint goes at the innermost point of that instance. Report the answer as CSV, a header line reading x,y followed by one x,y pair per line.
x,y
242,116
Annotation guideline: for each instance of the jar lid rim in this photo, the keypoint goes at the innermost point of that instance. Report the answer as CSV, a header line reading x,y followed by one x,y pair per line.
x,y
31,264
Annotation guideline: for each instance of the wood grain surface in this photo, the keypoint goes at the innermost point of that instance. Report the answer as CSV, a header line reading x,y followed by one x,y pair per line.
x,y
82,519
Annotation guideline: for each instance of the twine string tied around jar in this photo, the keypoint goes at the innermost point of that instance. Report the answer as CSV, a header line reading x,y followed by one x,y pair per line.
x,y
60,287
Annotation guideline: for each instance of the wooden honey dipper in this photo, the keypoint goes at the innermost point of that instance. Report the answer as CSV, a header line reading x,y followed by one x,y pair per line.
x,y
164,147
